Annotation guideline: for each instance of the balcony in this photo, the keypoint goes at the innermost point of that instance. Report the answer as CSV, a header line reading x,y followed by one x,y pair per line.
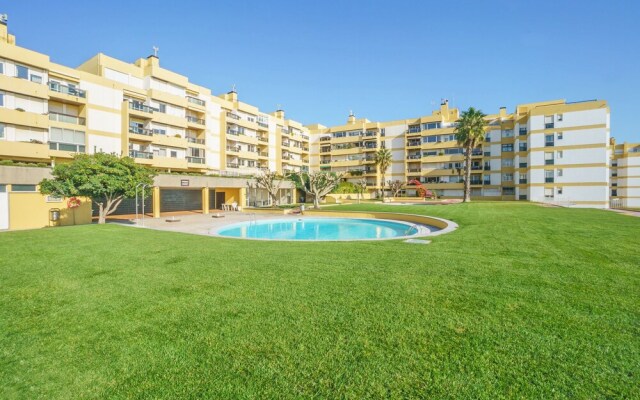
x,y
414,169
486,182
413,143
476,167
523,165
233,132
414,157
234,149
549,144
487,167
195,160
262,124
195,100
476,153
195,120
522,181
522,147
286,144
487,154
73,148
325,138
70,90
548,162
548,180
140,131
232,165
137,106
195,140
263,139
549,125
140,154
233,116
522,132
476,182
66,118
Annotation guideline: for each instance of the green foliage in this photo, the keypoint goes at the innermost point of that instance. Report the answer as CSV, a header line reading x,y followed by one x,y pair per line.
x,y
12,163
520,302
345,187
471,128
98,176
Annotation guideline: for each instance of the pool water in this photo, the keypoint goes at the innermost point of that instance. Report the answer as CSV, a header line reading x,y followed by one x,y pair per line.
x,y
319,229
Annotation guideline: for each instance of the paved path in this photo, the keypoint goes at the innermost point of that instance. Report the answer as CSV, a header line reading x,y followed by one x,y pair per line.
x,y
626,212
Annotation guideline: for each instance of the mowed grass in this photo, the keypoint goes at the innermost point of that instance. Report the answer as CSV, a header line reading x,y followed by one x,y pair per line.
x,y
520,302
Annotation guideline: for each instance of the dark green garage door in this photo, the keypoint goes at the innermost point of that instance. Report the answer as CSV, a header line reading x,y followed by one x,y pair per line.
x,y
180,200
128,206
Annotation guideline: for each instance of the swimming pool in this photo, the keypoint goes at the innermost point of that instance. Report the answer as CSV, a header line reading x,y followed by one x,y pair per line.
x,y
321,229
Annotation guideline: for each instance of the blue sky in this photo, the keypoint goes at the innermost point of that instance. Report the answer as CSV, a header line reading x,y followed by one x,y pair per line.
x,y
385,60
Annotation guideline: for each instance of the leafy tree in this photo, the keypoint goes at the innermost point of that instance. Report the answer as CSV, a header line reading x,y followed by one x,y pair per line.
x,y
470,132
317,183
345,187
270,181
105,178
383,160
395,187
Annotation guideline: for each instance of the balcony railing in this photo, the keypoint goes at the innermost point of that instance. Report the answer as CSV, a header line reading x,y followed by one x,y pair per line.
x,y
195,120
195,140
263,124
69,119
233,132
140,131
476,167
476,182
70,90
233,148
486,182
414,157
476,152
263,154
325,139
263,139
413,143
134,105
414,169
195,100
233,116
286,144
232,165
74,148
195,160
140,154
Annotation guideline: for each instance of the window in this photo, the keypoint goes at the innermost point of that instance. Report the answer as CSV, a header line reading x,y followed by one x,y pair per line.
x,y
548,158
559,135
614,192
507,162
522,146
559,191
162,108
507,147
1,68
174,154
22,72
3,188
548,176
431,125
23,188
559,153
559,117
509,191
548,193
35,78
1,131
559,172
1,99
548,140
548,122
507,178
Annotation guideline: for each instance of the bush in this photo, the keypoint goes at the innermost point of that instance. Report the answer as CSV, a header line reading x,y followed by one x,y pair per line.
x,y
345,187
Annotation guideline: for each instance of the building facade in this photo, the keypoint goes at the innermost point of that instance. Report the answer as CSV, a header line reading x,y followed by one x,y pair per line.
x,y
553,151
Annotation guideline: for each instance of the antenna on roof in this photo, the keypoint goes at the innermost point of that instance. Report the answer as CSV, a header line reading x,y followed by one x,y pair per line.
x,y
233,88
4,18
155,51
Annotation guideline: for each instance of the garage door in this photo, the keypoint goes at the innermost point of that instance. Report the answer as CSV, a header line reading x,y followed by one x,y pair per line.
x,y
180,200
4,207
128,206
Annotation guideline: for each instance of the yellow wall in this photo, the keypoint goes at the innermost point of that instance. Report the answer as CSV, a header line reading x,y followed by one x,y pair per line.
x,y
30,210
230,196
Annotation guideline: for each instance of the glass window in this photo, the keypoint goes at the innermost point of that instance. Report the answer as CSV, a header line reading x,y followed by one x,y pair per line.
x,y
548,192
559,190
1,131
23,188
3,188
1,68
22,72
36,78
507,147
559,172
1,99
174,154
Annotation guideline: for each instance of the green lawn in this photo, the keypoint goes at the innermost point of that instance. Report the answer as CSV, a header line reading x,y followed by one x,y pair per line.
x,y
520,302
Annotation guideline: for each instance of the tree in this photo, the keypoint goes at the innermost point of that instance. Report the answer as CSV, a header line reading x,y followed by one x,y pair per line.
x,y
470,132
269,181
105,178
317,183
361,186
345,187
383,160
395,187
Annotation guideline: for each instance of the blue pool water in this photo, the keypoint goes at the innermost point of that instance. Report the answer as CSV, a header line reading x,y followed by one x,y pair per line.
x,y
318,229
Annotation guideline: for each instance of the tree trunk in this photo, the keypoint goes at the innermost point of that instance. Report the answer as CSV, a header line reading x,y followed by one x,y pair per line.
x,y
467,176
102,216
382,187
316,202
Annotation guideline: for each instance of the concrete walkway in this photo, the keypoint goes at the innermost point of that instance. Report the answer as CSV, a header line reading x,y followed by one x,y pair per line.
x,y
626,212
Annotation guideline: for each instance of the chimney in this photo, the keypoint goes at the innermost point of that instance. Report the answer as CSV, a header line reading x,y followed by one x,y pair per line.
x,y
279,113
4,31
231,96
503,111
352,118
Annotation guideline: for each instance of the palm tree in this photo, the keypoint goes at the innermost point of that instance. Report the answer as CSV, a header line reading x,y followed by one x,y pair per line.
x,y
470,132
383,162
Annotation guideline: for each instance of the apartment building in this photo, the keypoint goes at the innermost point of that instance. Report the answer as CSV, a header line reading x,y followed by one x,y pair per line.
x,y
551,151
625,175
50,112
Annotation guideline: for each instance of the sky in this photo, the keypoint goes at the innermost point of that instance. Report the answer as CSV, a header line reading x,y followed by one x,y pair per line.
x,y
383,60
